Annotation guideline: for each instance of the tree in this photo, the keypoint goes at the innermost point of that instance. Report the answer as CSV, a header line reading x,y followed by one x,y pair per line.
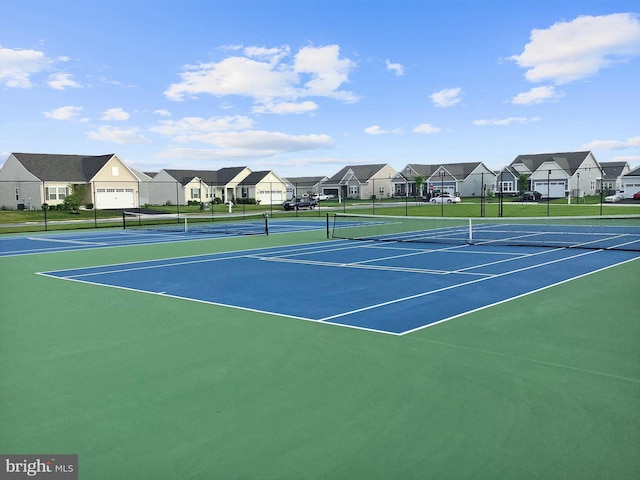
x,y
73,201
418,180
523,182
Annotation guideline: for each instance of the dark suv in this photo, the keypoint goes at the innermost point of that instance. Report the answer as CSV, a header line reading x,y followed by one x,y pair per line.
x,y
531,196
298,203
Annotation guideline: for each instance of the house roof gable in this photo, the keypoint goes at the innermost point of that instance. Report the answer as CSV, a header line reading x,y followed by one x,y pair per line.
x,y
568,161
63,168
361,172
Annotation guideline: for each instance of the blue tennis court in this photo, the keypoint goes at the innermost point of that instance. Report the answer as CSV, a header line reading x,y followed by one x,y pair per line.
x,y
53,242
389,287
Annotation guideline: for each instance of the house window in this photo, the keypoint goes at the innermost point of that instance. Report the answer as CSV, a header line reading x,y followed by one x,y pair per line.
x,y
353,189
245,192
115,171
407,171
195,193
593,184
381,190
56,193
17,194
506,186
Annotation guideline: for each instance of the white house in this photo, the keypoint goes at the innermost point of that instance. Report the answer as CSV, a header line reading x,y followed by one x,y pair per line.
x,y
612,173
556,175
179,187
630,183
266,187
29,180
465,178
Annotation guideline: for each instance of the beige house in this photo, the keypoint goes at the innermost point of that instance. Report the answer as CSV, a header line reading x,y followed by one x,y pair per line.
x,y
179,187
29,180
265,187
361,182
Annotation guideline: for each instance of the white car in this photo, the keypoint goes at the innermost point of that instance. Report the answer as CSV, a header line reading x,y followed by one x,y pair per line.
x,y
321,197
614,198
445,198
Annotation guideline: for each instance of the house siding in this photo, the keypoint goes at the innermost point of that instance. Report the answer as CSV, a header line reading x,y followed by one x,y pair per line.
x,y
19,187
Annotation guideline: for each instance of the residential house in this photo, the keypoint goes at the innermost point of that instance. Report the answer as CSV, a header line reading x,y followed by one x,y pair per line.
x,y
630,183
179,187
29,180
300,186
361,182
556,175
265,187
612,173
507,182
465,179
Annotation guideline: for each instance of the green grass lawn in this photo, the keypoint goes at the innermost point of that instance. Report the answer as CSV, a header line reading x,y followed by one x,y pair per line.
x,y
14,221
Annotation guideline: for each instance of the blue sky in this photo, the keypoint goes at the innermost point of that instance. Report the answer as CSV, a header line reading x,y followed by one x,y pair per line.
x,y
307,87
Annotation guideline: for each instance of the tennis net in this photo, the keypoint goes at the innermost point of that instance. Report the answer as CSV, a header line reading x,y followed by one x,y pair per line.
x,y
246,224
606,232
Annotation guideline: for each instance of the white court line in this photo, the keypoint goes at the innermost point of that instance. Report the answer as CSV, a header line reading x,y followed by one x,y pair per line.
x,y
76,242
517,296
451,287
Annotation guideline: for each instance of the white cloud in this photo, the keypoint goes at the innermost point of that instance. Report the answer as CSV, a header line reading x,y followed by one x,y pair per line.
x,y
188,126
233,137
426,128
396,68
115,114
375,130
612,144
17,66
249,144
60,81
506,121
64,113
286,107
328,72
162,112
569,51
263,74
447,97
536,95
108,133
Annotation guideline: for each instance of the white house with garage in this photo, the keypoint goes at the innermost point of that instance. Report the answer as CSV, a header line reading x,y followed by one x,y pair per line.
x,y
558,175
467,179
265,187
630,183
29,180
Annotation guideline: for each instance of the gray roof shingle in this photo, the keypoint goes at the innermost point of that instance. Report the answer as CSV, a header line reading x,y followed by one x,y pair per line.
x,y
65,168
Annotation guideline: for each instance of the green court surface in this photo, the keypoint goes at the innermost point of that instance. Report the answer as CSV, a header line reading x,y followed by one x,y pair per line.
x,y
546,386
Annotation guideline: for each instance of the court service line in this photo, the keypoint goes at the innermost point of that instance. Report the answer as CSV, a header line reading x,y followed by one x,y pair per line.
x,y
519,296
451,287
78,242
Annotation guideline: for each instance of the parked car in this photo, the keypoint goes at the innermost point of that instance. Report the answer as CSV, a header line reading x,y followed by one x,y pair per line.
x,y
320,197
445,198
636,196
531,196
299,203
614,198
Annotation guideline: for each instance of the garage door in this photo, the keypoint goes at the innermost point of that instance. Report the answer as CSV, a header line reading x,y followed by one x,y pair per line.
x,y
555,189
115,198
